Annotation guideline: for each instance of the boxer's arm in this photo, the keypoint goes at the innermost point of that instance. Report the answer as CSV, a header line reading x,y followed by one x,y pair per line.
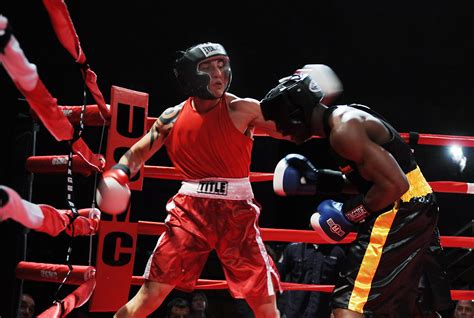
x,y
246,113
349,139
143,149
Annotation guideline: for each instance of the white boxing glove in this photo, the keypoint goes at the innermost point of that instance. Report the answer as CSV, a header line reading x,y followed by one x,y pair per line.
x,y
113,193
326,78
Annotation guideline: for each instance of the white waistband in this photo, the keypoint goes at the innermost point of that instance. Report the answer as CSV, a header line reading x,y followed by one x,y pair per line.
x,y
218,188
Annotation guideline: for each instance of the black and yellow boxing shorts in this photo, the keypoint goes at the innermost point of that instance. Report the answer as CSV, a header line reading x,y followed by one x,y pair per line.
x,y
383,265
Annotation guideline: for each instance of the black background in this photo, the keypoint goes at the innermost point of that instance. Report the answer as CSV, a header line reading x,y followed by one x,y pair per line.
x,y
410,61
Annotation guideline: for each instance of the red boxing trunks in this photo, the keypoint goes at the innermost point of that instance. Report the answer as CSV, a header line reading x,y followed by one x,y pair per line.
x,y
218,214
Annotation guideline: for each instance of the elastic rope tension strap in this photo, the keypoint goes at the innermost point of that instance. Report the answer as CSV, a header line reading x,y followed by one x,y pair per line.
x,y
70,195
83,66
70,180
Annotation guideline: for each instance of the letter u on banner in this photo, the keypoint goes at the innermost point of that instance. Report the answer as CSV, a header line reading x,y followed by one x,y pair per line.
x,y
118,235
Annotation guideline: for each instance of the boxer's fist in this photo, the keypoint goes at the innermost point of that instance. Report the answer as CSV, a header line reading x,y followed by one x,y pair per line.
x,y
326,78
330,222
113,193
295,175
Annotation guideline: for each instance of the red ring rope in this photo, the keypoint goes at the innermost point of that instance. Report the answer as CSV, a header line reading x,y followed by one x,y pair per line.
x,y
57,164
282,235
34,272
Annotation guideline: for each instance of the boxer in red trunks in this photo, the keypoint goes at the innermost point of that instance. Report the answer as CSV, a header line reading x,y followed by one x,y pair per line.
x,y
209,140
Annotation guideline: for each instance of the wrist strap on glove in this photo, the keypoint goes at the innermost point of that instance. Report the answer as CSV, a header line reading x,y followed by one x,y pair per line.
x,y
355,210
329,181
122,167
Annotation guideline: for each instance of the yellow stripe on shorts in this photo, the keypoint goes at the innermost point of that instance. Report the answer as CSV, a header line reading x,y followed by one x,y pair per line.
x,y
363,283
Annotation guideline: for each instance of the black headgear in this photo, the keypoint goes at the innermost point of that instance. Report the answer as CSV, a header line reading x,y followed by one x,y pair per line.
x,y
192,81
290,105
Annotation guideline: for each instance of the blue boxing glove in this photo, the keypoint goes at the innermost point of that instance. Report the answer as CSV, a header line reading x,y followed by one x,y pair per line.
x,y
330,223
296,175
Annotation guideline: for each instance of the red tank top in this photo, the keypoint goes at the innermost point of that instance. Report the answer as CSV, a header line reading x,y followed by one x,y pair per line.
x,y
208,145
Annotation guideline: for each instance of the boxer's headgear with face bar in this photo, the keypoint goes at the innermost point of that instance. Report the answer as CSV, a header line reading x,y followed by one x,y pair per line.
x,y
195,82
290,105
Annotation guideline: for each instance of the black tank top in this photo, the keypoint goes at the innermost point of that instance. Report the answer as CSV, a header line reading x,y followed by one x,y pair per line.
x,y
396,146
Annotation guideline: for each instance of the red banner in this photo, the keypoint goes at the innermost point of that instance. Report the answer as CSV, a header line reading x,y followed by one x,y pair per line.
x,y
129,111
118,234
115,259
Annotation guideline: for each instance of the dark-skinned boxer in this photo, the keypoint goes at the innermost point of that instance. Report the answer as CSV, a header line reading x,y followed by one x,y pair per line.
x,y
394,213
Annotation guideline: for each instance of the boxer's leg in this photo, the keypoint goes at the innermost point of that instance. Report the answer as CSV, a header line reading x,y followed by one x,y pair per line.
x,y
149,297
264,307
